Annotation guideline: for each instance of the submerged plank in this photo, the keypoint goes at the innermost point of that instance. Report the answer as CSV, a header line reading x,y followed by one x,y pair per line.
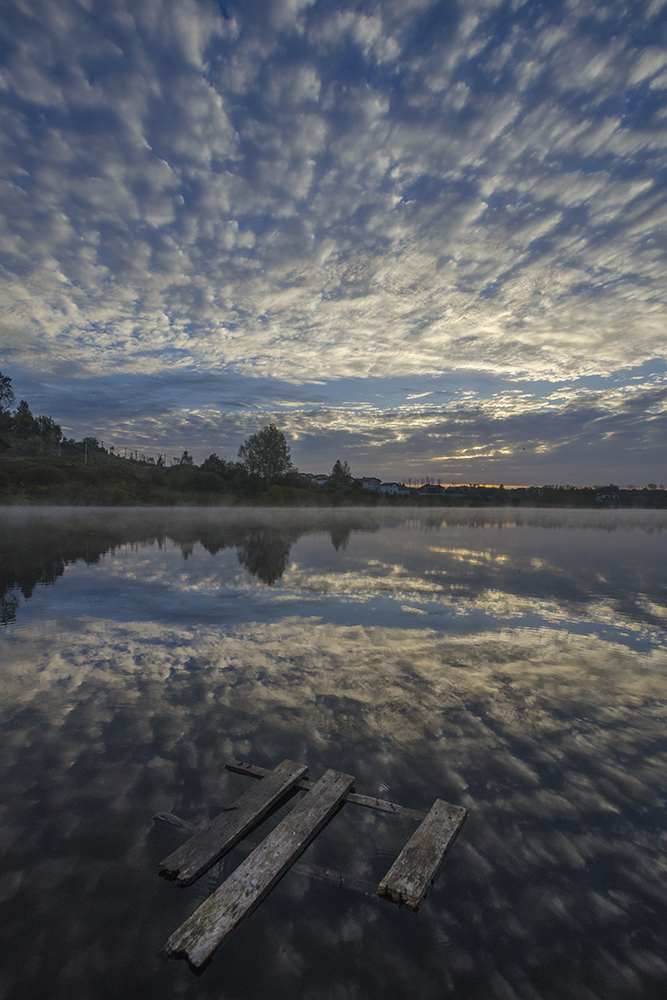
x,y
417,865
209,844
312,871
369,801
247,886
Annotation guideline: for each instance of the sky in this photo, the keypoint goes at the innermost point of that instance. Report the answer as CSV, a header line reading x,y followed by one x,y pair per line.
x,y
423,237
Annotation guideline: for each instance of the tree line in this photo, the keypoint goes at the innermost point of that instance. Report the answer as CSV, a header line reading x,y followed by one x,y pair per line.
x,y
40,460
34,432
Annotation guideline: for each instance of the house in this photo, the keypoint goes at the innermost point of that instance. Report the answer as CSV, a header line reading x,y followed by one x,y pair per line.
x,y
370,482
320,480
431,489
606,493
388,488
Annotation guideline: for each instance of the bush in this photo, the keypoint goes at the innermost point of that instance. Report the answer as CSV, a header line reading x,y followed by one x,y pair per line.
x,y
34,445
207,482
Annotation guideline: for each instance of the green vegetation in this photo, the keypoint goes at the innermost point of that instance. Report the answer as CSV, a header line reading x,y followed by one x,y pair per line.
x,y
340,474
266,455
39,465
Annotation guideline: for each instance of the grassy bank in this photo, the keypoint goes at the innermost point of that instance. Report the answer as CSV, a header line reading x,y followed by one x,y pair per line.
x,y
101,479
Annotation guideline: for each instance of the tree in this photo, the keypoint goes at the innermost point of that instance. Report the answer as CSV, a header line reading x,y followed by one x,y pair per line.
x,y
218,466
266,454
6,391
340,474
48,428
24,423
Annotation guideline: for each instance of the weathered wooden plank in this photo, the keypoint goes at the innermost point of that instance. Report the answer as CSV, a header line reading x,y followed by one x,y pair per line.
x,y
414,870
255,771
318,872
173,820
247,886
209,844
369,801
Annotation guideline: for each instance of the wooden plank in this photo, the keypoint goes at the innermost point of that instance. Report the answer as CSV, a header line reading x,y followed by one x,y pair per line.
x,y
414,870
209,844
318,872
369,801
247,886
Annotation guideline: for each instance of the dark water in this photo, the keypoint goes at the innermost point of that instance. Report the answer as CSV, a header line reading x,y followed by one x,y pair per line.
x,y
512,662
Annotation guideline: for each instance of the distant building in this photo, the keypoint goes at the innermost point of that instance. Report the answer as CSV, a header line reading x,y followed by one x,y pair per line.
x,y
370,482
606,493
388,488
431,489
311,477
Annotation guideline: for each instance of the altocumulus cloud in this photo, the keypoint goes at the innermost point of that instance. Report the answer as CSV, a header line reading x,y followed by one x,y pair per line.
x,y
217,213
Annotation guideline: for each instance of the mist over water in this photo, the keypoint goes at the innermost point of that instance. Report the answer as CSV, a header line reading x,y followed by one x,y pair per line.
x,y
513,662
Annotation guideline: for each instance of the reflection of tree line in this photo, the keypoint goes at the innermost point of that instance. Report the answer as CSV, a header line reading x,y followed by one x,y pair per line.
x,y
37,551
264,551
39,554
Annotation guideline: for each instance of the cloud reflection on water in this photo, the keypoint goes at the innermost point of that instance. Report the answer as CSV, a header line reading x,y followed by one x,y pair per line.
x,y
553,738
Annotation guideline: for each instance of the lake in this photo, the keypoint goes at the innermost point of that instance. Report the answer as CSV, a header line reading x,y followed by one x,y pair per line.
x,y
513,662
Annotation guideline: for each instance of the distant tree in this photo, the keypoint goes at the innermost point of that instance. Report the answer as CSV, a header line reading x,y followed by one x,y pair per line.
x,y
218,466
6,391
340,474
185,459
25,424
48,428
266,454
652,486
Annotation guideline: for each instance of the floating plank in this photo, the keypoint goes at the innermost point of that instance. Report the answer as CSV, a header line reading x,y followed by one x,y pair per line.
x,y
417,865
341,879
247,886
369,801
172,820
209,844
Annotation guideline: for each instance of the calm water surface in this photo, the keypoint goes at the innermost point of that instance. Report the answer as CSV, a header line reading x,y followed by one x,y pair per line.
x,y
513,662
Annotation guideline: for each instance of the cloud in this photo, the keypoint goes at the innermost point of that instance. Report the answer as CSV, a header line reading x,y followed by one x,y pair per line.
x,y
330,193
612,430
